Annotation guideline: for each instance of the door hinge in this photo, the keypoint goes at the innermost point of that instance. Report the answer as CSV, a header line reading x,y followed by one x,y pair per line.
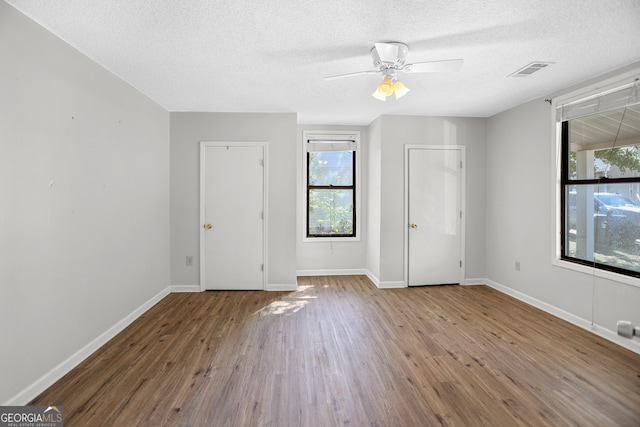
x,y
460,263
261,162
261,215
460,214
261,267
460,164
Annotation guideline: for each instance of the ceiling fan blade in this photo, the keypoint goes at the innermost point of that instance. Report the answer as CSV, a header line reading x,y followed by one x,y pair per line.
x,y
387,52
358,73
445,66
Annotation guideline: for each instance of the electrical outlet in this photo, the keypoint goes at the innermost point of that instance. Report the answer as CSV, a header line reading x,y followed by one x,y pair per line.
x,y
517,265
189,261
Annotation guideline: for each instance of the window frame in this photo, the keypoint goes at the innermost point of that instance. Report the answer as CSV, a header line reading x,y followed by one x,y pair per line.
x,y
330,136
561,181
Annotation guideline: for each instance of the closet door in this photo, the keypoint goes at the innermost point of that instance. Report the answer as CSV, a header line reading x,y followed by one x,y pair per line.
x,y
435,216
233,217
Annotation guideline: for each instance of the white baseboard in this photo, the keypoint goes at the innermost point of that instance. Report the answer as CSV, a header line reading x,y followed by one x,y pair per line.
x,y
33,390
373,278
278,287
391,285
270,287
353,272
384,285
565,315
332,272
629,344
185,288
471,282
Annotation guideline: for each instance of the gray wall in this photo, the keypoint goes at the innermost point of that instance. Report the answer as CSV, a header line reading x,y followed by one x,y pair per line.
x,y
387,168
323,256
93,175
84,185
521,164
279,131
374,187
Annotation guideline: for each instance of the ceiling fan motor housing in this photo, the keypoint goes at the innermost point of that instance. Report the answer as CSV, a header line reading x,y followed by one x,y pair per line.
x,y
388,58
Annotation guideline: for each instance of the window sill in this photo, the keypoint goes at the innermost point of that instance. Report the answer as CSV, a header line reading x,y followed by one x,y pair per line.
x,y
329,239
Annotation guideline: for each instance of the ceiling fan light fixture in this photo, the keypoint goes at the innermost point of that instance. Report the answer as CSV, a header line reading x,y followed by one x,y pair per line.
x,y
378,95
389,58
399,89
386,87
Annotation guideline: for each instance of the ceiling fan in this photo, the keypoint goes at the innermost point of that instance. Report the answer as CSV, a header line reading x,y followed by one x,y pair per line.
x,y
389,59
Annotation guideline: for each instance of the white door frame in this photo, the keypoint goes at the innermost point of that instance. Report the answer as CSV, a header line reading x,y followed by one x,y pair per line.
x,y
462,149
265,193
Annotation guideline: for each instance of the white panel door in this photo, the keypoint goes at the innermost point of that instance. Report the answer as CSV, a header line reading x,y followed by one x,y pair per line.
x,y
233,216
434,213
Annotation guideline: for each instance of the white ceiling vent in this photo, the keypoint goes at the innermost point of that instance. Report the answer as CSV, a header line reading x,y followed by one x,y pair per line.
x,y
530,69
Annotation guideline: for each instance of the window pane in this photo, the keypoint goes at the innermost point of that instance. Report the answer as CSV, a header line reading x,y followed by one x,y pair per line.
x,y
605,145
331,168
330,212
618,162
602,224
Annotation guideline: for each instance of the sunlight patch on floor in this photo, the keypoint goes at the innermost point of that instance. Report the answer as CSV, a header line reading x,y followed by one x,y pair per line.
x,y
290,304
283,307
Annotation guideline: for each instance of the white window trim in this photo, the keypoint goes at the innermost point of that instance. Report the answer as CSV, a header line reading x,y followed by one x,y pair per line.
x,y
574,96
329,135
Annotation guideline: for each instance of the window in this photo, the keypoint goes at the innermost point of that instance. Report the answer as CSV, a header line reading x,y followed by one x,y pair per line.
x,y
331,184
600,180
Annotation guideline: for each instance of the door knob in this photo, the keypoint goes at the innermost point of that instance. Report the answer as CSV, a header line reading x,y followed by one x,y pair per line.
x,y
414,225
208,226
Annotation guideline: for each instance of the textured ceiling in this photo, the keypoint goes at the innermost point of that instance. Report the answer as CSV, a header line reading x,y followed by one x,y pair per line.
x,y
271,56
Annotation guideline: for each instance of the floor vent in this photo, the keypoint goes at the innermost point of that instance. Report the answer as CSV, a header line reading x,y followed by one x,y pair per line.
x,y
530,69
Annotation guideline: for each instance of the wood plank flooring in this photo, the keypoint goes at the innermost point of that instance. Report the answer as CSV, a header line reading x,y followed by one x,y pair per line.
x,y
340,352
